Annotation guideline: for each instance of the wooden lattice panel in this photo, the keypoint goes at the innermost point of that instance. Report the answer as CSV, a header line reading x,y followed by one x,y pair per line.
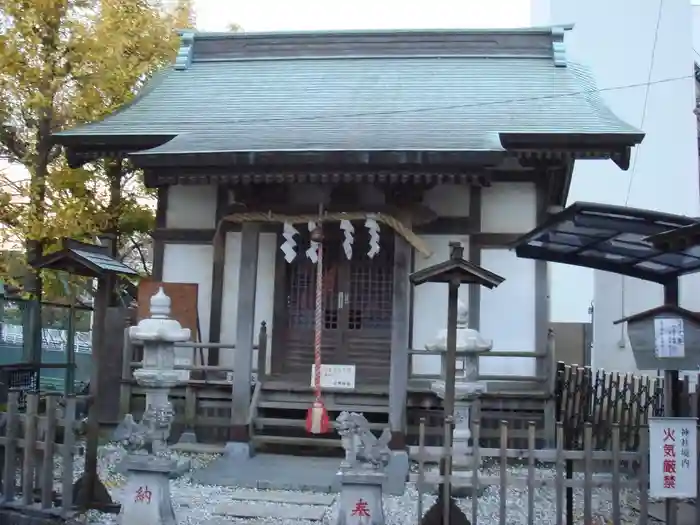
x,y
357,307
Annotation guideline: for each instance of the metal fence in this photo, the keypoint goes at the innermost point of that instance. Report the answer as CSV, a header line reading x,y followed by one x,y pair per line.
x,y
16,342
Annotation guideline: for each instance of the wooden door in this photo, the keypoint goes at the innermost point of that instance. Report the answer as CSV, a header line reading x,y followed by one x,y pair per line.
x,y
368,304
297,353
357,310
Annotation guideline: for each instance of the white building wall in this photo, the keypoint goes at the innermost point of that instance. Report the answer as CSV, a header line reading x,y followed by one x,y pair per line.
x,y
696,29
617,43
430,301
191,207
192,263
264,291
507,313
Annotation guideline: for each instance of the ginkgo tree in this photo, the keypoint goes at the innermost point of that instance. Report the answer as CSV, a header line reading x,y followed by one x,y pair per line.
x,y
63,63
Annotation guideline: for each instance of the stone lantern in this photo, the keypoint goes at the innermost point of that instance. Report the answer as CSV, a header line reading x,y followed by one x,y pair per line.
x,y
148,466
470,345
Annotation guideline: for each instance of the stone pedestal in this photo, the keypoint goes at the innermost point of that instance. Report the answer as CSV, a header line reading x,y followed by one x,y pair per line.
x,y
469,345
147,499
397,472
466,393
362,472
361,497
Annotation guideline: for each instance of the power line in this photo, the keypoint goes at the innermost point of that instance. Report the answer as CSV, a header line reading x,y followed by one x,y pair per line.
x,y
623,288
427,109
633,173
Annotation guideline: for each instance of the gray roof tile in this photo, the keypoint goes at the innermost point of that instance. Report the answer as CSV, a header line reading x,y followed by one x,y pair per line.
x,y
261,98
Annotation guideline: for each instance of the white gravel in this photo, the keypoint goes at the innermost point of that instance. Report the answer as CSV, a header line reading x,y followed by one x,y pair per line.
x,y
194,503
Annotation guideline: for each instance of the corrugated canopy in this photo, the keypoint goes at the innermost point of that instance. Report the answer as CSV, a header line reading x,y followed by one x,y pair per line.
x,y
613,239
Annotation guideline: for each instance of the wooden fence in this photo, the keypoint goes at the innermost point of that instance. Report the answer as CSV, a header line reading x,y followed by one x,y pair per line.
x,y
31,440
535,480
607,398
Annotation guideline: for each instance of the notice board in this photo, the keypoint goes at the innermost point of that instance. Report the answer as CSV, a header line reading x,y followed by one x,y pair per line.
x,y
183,306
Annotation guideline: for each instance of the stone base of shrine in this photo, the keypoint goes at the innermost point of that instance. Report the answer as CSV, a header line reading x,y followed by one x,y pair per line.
x,y
461,482
180,467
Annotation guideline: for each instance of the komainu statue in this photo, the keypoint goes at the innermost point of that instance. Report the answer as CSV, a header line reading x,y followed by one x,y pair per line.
x,y
362,449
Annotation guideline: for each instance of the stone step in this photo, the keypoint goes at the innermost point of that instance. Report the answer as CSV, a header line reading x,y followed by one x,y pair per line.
x,y
198,448
258,509
278,496
433,479
432,455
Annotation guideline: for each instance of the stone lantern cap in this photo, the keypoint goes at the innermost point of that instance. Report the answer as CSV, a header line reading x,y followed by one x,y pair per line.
x,y
159,327
469,341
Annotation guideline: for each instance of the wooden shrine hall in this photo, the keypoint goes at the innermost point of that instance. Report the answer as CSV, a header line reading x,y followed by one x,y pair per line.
x,y
414,139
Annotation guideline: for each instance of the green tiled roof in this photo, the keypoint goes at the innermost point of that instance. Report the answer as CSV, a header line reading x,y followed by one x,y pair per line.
x,y
362,91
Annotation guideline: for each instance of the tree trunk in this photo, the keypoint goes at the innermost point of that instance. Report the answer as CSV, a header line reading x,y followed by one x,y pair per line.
x,y
114,174
35,247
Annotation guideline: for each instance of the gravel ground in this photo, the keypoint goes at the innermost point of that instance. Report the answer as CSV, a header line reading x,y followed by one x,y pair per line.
x,y
194,503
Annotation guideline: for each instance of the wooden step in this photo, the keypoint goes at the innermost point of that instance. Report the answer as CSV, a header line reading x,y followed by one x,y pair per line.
x,y
261,422
304,405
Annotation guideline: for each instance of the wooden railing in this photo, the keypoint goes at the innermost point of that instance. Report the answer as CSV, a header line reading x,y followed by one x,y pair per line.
x,y
204,400
545,366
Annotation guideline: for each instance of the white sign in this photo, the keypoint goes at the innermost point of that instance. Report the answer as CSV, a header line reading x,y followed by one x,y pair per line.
x,y
335,376
669,338
673,457
184,374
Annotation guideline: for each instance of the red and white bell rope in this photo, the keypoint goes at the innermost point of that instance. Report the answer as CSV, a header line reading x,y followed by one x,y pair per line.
x,y
317,415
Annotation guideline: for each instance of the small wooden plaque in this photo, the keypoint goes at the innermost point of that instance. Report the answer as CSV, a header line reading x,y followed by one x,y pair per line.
x,y
184,302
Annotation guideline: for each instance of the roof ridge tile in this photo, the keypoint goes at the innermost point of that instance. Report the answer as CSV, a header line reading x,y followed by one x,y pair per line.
x,y
183,60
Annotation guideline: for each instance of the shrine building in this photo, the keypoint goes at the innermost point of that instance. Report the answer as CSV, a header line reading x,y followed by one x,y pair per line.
x,y
434,136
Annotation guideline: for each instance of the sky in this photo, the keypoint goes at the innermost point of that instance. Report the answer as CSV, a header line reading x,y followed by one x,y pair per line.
x,y
302,15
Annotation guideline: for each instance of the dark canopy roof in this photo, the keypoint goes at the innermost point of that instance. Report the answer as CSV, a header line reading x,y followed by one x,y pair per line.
x,y
456,268
239,96
610,238
679,238
79,258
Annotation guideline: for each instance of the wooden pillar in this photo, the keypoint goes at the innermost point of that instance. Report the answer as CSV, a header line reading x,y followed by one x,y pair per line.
x,y
398,376
159,244
474,300
217,277
245,331
543,341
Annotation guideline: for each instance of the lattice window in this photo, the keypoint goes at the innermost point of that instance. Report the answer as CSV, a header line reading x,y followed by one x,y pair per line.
x,y
367,297
371,288
301,298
